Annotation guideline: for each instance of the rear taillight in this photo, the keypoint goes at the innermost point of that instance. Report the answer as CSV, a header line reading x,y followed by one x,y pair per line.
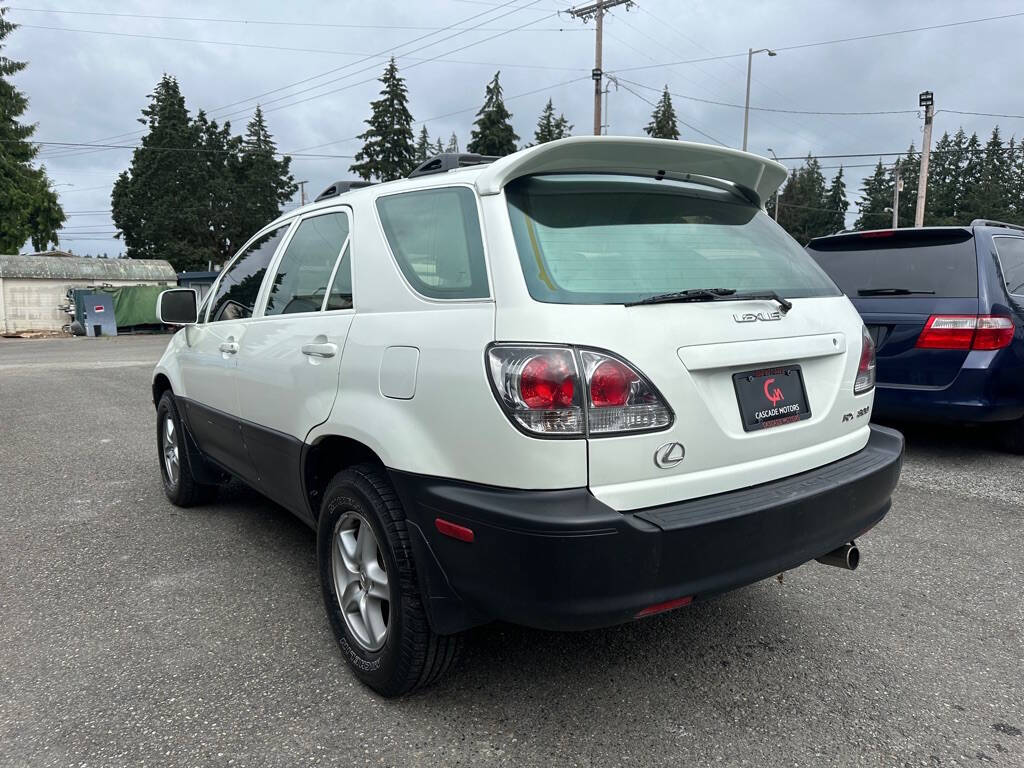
x,y
966,332
865,380
541,389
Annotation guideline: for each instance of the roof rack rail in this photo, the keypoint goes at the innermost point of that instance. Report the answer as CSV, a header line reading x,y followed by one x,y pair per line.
x,y
448,161
340,187
993,223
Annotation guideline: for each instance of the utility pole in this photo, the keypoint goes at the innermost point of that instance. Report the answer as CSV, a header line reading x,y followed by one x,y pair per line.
x,y
302,191
897,187
926,100
596,11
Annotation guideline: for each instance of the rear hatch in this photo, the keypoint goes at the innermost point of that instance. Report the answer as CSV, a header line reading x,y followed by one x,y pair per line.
x,y
897,280
756,392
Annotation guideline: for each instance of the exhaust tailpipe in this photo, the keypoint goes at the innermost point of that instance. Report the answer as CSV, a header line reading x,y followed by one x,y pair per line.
x,y
846,556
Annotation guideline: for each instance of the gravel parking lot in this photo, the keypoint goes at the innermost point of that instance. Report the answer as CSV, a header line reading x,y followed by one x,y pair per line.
x,y
134,633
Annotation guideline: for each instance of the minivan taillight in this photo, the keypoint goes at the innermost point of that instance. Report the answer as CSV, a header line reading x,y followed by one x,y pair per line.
x,y
966,332
542,391
865,380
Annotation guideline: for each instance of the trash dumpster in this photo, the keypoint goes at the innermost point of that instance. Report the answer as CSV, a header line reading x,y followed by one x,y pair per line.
x,y
98,314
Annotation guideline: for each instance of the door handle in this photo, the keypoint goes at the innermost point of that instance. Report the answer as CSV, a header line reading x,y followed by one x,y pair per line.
x,y
229,347
320,350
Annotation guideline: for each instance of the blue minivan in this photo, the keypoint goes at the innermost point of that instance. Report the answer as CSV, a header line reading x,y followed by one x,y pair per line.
x,y
945,308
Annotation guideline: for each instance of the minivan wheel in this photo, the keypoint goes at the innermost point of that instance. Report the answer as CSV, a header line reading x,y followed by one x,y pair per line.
x,y
370,588
180,484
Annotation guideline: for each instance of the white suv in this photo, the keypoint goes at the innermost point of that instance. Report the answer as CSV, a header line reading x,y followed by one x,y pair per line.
x,y
581,384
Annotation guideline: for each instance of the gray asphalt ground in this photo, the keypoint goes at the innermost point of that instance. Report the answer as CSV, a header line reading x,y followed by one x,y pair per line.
x,y
133,633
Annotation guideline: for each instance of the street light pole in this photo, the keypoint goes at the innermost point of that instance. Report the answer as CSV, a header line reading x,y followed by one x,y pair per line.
x,y
746,105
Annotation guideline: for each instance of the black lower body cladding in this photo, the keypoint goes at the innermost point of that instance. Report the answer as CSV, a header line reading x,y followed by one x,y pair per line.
x,y
563,560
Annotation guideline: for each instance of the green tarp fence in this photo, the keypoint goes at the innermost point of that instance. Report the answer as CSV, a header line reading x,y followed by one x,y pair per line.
x,y
135,304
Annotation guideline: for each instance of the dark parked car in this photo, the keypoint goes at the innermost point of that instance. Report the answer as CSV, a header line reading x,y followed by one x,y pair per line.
x,y
945,306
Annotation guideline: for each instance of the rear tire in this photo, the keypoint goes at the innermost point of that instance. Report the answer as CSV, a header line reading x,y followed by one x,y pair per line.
x,y
364,553
180,484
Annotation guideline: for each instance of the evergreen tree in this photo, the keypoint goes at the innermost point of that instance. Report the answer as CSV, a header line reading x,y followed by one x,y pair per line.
x,y
970,181
263,183
388,151
439,147
836,205
943,178
910,172
453,143
194,192
803,213
1016,182
989,198
148,206
424,149
29,209
875,204
492,133
549,127
663,120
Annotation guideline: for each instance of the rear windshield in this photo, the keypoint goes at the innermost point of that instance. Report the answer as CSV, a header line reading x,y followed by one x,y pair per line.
x,y
945,268
599,239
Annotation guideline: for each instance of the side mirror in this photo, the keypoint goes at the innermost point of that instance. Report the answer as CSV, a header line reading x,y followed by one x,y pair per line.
x,y
178,306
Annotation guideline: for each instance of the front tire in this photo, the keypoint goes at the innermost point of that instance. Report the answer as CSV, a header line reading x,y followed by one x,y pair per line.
x,y
180,485
370,588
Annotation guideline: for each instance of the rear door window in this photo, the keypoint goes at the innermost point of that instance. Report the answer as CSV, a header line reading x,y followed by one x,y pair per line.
x,y
937,264
435,236
1011,259
603,239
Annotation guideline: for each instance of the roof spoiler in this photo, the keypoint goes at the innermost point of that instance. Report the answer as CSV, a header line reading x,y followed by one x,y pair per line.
x,y
753,176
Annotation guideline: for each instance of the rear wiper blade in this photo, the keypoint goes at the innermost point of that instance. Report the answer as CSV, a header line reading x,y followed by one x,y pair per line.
x,y
784,304
890,292
694,294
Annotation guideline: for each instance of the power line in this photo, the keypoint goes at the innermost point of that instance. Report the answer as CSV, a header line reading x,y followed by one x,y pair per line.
x,y
382,52
801,46
773,109
263,22
691,127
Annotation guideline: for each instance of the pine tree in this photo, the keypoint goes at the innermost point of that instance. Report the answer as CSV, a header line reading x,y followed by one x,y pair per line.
x,y
424,149
663,120
453,143
988,199
549,127
970,181
875,204
910,172
29,209
836,205
235,185
263,184
492,133
439,147
943,178
803,213
154,217
388,151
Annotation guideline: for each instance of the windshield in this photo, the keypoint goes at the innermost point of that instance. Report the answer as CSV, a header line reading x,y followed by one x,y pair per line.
x,y
601,239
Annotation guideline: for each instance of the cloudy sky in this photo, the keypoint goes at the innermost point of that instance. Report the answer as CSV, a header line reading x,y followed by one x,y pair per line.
x,y
313,67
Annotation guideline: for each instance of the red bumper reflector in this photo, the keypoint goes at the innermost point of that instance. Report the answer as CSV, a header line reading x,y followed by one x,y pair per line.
x,y
460,532
668,605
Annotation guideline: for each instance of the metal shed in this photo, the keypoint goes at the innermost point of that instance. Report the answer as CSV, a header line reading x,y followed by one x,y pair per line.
x,y
33,287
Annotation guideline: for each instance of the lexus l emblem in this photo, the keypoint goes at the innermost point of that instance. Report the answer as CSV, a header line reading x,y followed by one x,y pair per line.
x,y
669,455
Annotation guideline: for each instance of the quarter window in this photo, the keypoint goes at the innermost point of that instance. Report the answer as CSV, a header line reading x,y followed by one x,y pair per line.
x,y
435,236
305,270
1011,258
340,296
240,284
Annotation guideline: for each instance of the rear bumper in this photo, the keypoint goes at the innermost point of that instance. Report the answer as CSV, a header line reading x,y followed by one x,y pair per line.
x,y
974,396
563,560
